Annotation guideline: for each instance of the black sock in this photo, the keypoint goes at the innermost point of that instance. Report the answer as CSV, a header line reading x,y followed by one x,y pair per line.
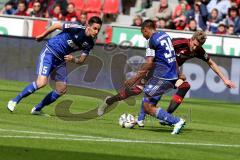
x,y
124,94
178,97
113,99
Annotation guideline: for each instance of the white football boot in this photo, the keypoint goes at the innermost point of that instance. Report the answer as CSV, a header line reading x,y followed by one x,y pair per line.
x,y
140,123
39,113
34,112
103,107
11,105
178,126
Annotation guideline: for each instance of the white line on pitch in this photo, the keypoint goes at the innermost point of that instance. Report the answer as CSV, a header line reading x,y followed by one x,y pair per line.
x,y
47,133
56,136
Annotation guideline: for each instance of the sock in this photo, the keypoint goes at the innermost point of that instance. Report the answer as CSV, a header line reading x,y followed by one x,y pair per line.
x,y
31,88
163,115
50,98
175,102
124,94
142,114
113,99
178,97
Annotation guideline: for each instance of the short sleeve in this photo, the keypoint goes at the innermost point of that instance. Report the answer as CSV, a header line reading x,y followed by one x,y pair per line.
x,y
87,50
150,52
152,43
72,27
202,54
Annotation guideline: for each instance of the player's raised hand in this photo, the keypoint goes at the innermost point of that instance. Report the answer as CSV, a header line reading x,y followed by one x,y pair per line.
x,y
229,84
69,58
40,37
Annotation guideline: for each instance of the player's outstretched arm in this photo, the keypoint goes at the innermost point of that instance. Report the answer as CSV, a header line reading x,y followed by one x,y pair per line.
x,y
48,31
217,70
73,59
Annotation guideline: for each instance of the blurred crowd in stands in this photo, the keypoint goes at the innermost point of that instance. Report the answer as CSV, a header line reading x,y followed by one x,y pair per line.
x,y
213,16
63,10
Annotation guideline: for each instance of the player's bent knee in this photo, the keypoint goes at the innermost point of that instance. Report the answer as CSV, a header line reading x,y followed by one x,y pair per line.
x,y
62,90
188,86
185,86
149,109
41,84
41,81
146,109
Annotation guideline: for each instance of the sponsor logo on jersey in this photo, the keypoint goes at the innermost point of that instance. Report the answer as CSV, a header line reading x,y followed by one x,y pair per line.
x,y
72,44
85,44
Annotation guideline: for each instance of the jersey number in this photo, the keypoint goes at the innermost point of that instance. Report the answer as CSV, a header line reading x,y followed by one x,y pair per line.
x,y
168,47
44,71
169,54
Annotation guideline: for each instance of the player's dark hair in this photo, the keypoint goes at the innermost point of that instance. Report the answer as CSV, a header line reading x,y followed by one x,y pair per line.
x,y
200,36
148,24
94,19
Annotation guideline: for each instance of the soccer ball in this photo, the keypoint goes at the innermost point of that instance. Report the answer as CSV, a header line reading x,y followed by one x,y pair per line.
x,y
127,120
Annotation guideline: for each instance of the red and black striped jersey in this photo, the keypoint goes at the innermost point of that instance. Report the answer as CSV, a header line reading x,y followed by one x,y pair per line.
x,y
183,53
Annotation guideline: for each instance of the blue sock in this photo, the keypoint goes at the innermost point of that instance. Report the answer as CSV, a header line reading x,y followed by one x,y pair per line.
x,y
163,115
142,114
31,88
50,98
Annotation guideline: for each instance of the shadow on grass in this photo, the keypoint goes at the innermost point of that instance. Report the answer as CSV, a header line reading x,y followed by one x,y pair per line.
x,y
167,130
20,153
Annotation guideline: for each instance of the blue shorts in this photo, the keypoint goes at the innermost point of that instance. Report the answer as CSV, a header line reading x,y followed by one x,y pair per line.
x,y
50,65
155,88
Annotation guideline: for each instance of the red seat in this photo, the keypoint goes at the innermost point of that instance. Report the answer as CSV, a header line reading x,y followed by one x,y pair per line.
x,y
93,6
79,4
111,7
78,12
91,14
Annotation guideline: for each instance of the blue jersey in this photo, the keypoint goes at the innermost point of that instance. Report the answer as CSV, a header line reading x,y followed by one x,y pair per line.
x,y
72,38
160,47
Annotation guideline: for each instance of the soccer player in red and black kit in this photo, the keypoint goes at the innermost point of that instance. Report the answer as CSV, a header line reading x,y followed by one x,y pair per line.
x,y
185,49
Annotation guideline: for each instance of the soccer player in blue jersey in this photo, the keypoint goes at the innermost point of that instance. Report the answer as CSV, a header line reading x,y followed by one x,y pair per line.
x,y
54,56
161,63
185,49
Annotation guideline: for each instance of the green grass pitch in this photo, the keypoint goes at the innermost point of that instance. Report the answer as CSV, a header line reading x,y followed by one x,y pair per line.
x,y
212,131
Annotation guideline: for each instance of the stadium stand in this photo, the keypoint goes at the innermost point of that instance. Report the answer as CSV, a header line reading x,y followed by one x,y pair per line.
x,y
176,13
111,7
91,14
93,6
79,4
